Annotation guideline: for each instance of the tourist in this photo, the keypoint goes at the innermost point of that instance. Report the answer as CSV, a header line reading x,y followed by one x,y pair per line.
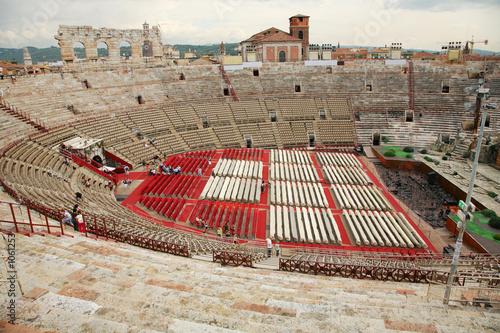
x,y
80,222
199,172
262,188
219,232
126,170
269,244
74,213
235,239
277,247
228,234
78,196
67,218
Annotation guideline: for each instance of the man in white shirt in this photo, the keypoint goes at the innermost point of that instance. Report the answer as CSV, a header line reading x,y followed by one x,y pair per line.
x,y
269,247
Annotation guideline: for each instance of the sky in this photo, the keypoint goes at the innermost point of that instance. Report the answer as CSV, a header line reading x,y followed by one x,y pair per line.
x,y
418,24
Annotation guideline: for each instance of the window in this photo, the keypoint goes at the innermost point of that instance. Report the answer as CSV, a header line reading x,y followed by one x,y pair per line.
x,y
301,19
301,34
226,91
255,72
297,88
282,56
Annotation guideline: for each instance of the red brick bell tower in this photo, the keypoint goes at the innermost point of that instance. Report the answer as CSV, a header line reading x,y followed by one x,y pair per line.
x,y
299,28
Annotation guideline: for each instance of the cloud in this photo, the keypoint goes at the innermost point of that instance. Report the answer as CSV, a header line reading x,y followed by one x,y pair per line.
x,y
420,24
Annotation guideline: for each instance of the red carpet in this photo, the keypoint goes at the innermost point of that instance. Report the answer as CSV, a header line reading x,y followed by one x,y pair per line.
x,y
329,197
343,232
261,226
185,213
263,207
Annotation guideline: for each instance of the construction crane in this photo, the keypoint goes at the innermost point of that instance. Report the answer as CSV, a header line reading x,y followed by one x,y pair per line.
x,y
470,49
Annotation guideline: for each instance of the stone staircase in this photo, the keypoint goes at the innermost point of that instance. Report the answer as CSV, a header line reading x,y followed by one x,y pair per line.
x,y
84,285
459,150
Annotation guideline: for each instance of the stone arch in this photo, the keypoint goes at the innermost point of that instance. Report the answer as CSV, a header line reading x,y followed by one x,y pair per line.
x,y
125,49
282,56
102,49
78,53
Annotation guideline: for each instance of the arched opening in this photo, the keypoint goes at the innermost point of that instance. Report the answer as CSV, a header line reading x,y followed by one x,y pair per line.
x,y
79,51
301,34
147,49
282,56
125,49
97,159
376,139
102,50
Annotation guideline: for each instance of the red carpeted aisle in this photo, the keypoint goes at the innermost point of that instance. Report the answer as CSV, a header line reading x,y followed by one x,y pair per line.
x,y
343,232
329,197
262,224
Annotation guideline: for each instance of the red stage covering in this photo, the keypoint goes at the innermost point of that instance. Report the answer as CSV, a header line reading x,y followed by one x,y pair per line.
x,y
263,207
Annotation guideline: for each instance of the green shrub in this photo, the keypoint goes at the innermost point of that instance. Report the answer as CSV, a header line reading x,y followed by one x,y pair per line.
x,y
455,173
390,153
448,154
496,236
408,150
445,158
437,162
409,156
423,151
430,159
489,213
465,155
492,194
494,222
385,139
439,150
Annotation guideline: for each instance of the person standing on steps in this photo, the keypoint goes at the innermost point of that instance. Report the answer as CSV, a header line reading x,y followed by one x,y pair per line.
x,y
277,247
269,244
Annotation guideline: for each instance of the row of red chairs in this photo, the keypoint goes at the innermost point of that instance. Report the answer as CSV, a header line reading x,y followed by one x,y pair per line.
x,y
200,154
217,214
181,186
252,154
168,207
189,165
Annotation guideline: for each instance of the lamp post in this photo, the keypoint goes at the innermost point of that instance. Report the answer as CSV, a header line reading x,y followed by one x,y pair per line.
x,y
462,225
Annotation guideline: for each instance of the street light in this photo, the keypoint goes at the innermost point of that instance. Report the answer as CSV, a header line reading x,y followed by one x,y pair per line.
x,y
467,216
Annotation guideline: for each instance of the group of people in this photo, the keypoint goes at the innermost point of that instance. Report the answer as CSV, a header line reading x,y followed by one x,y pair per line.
x,y
269,245
74,219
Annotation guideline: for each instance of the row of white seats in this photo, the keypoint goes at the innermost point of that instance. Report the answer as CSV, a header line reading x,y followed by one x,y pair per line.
x,y
347,175
383,229
304,225
294,173
238,168
232,189
290,157
360,197
338,159
297,194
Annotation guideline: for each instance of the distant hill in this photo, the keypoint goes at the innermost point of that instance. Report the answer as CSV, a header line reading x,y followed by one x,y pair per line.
x,y
50,54
206,49
53,53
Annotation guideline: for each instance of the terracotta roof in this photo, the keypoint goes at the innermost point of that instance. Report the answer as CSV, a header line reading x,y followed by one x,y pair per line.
x,y
272,35
299,15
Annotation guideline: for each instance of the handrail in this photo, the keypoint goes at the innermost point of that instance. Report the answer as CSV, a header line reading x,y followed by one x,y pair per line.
x,y
82,160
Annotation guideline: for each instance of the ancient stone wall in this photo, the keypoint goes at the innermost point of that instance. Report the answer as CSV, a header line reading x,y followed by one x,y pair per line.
x,y
146,45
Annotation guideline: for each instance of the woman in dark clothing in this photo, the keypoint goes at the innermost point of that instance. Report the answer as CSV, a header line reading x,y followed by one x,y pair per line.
x,y
73,217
